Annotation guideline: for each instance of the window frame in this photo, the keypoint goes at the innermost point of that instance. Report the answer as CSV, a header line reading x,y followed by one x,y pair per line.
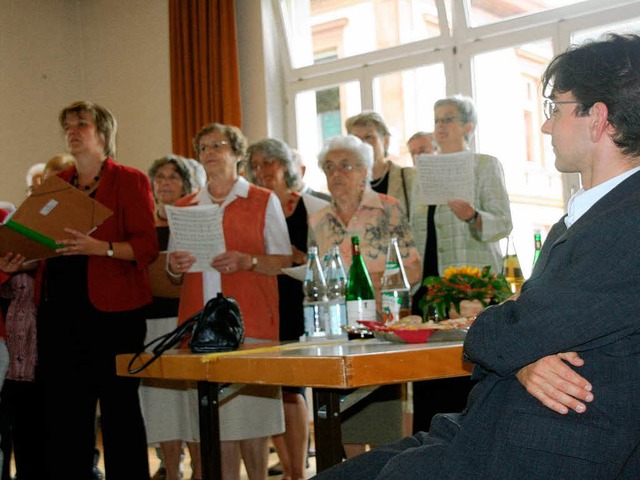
x,y
455,49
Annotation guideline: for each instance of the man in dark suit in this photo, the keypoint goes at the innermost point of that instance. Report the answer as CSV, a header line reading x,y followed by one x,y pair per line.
x,y
531,415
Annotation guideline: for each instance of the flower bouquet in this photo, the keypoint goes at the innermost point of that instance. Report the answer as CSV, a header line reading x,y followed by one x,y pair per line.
x,y
464,283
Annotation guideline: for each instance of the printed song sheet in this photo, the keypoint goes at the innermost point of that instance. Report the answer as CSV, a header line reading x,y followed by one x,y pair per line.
x,y
445,177
197,229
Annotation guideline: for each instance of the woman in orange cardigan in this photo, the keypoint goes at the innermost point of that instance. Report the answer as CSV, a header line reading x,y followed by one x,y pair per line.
x,y
92,308
257,248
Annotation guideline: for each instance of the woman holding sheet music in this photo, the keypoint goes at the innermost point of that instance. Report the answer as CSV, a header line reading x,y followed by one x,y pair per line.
x,y
257,248
92,308
457,234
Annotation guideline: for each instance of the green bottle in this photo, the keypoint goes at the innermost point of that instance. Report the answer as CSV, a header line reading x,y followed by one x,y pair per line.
x,y
360,295
537,240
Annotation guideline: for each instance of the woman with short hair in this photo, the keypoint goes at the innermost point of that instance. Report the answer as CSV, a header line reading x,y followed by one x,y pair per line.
x,y
257,248
93,308
270,164
374,217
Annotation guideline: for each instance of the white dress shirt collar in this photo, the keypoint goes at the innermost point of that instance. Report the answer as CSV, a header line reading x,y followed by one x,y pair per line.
x,y
583,200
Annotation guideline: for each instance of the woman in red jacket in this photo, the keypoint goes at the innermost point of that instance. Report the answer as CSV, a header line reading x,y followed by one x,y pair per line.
x,y
92,308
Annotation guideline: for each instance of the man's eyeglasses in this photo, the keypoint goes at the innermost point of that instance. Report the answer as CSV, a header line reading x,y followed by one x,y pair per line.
x,y
550,108
447,120
215,146
329,168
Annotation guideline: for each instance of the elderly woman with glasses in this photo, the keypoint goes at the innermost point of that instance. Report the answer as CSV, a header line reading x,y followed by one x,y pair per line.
x,y
461,232
375,218
270,164
257,248
457,234
170,408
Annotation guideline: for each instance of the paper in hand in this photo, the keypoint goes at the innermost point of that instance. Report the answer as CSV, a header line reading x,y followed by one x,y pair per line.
x,y
297,273
445,177
198,230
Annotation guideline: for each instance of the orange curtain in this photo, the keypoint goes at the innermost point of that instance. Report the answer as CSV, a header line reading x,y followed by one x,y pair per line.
x,y
205,79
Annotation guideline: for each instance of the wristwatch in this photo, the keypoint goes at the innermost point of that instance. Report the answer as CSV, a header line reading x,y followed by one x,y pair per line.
x,y
473,217
254,262
110,251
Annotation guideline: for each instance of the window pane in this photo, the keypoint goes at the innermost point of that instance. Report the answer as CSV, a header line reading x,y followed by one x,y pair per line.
x,y
509,120
482,12
320,114
632,26
405,100
353,27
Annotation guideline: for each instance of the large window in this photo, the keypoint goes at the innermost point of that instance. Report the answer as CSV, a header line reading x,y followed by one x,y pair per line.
x,y
405,100
367,25
483,12
398,56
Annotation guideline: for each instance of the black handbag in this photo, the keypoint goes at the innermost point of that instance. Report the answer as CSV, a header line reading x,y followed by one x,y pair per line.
x,y
218,327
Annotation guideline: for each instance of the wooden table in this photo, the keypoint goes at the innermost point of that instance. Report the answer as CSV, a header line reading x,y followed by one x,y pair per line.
x,y
328,367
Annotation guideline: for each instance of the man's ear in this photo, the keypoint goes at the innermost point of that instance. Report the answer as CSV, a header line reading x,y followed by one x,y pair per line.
x,y
303,170
599,121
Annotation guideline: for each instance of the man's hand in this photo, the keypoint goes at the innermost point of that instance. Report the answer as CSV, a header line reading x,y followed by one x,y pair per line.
x,y
555,384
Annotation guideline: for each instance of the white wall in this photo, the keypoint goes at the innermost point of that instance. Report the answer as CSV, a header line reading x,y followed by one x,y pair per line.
x,y
114,52
40,70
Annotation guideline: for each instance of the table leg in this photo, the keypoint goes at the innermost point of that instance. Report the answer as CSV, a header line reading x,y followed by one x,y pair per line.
x,y
209,430
327,428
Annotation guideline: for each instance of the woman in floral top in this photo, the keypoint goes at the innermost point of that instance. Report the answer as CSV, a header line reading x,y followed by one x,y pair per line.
x,y
357,210
374,217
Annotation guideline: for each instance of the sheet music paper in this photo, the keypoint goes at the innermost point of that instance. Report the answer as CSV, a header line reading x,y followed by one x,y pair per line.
x,y
296,272
445,177
197,229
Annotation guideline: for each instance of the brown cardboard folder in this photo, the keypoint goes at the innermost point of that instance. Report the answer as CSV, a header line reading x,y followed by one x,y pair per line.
x,y
52,207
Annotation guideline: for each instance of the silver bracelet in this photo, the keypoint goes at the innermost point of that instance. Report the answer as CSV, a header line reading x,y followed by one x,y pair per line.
x,y
177,276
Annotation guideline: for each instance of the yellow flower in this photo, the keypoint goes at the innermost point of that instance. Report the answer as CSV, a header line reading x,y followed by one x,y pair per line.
x,y
464,283
471,271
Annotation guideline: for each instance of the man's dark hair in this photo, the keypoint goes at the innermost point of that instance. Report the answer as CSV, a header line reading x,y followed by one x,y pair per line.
x,y
606,71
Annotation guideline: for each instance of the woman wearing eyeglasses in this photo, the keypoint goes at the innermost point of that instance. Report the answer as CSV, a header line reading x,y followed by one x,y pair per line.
x,y
457,234
375,218
257,248
270,164
170,408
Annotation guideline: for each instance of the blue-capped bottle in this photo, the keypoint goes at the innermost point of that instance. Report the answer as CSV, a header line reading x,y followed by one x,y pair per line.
x,y
336,287
315,296
395,291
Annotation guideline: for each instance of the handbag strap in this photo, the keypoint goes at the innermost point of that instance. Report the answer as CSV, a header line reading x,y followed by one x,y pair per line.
x,y
404,189
164,343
